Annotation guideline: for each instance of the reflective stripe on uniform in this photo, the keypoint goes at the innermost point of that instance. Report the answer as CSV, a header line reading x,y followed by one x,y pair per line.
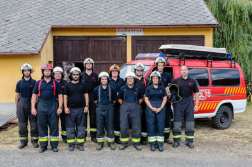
x,y
167,130
54,138
143,134
152,138
70,140
100,139
80,140
111,139
117,133
45,138
34,137
160,138
23,138
63,133
124,139
93,130
136,140
177,136
190,137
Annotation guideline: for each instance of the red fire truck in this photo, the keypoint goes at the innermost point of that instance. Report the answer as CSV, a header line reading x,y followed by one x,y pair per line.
x,y
222,89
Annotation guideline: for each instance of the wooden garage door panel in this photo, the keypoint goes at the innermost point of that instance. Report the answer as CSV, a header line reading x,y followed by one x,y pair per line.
x,y
151,44
105,51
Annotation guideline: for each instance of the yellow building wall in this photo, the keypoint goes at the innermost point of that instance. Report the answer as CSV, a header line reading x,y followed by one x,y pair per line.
x,y
10,65
10,74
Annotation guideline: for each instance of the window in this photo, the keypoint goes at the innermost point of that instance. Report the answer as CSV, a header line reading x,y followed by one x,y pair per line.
x,y
130,67
225,77
200,75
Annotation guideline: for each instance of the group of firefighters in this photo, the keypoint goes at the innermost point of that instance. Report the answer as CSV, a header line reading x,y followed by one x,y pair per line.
x,y
114,105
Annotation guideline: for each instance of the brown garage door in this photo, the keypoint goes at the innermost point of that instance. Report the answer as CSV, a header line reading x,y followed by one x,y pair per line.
x,y
105,51
151,44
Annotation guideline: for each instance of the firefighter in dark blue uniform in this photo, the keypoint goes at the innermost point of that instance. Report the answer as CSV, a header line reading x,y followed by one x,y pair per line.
x,y
90,78
117,83
59,75
166,80
47,90
184,109
130,97
155,98
142,83
23,96
76,109
105,96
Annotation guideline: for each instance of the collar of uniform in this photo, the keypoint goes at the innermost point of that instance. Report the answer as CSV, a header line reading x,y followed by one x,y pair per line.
x,y
49,81
184,79
127,87
140,79
28,80
117,79
103,88
87,74
152,86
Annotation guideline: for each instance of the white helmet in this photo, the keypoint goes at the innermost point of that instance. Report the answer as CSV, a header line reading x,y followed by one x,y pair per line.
x,y
75,69
155,74
159,60
103,74
130,75
88,60
57,69
26,66
139,66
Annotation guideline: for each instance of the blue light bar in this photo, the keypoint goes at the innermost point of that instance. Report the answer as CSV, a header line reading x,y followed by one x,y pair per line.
x,y
229,55
150,55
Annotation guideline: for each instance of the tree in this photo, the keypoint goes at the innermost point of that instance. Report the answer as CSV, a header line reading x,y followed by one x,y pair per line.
x,y
235,19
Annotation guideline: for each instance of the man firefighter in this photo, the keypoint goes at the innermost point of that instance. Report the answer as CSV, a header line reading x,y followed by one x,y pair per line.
x,y
130,97
23,96
59,75
105,96
142,83
90,78
47,90
117,83
76,109
184,109
166,80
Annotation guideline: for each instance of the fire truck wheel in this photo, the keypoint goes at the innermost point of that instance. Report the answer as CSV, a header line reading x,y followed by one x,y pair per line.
x,y
223,118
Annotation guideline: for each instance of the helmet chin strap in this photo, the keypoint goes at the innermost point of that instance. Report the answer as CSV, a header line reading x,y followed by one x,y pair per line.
x,y
155,83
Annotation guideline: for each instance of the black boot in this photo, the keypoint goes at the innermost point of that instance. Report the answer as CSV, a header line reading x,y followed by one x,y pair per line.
x,y
22,145
122,147
35,145
168,141
71,147
42,149
55,149
160,148
80,147
138,148
190,145
100,146
143,141
64,139
153,148
112,146
117,140
93,139
175,144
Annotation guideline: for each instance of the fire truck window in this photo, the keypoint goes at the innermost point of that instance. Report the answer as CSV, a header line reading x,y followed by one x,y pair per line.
x,y
200,74
225,77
